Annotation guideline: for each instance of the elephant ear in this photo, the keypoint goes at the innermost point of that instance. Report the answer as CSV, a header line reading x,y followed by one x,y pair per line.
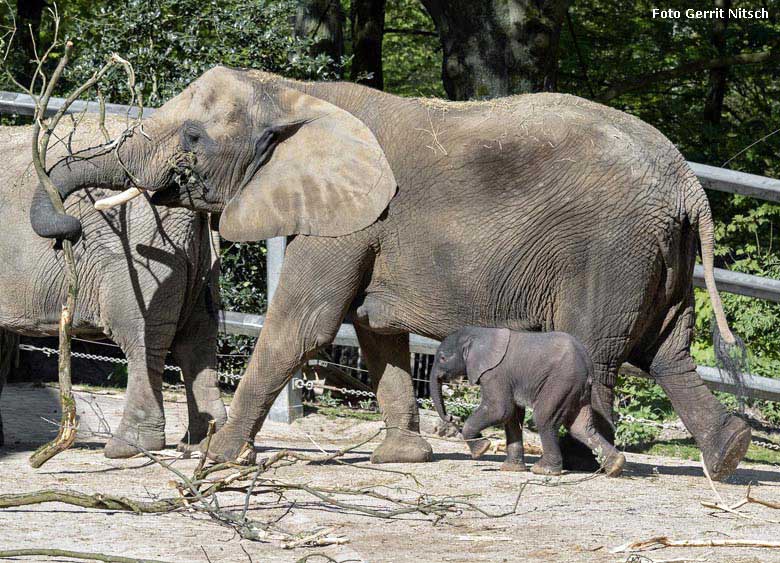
x,y
485,351
327,176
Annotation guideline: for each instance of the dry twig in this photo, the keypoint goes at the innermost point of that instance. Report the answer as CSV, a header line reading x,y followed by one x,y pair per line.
x,y
9,553
733,509
660,542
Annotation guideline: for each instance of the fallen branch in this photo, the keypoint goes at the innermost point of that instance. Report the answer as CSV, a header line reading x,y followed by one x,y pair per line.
x,y
733,509
9,553
98,500
199,493
661,542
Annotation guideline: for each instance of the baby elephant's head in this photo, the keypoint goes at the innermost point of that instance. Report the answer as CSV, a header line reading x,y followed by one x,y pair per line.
x,y
471,351
449,361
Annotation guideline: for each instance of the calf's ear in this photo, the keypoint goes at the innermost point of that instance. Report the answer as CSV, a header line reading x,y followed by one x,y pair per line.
x,y
485,351
324,173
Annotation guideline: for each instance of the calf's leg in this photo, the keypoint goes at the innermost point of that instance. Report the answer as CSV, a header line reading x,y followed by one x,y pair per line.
x,y
515,455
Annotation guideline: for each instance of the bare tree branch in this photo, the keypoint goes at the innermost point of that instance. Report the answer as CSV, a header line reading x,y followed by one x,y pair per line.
x,y
687,69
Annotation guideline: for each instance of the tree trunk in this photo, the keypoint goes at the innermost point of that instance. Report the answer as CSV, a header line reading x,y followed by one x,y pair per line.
x,y
368,25
498,47
322,21
28,22
713,107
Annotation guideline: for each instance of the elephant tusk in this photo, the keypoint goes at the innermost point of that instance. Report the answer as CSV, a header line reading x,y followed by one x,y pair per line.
x,y
119,199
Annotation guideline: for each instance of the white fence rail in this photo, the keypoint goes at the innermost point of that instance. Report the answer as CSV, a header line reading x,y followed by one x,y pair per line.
x,y
755,387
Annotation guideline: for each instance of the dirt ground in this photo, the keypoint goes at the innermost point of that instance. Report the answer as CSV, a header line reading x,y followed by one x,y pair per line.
x,y
576,522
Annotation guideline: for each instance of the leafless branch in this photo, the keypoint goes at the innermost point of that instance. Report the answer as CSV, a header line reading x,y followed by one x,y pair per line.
x,y
10,553
685,69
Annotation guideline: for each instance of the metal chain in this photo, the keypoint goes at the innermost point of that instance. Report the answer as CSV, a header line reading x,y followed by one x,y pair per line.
x,y
766,444
224,377
311,384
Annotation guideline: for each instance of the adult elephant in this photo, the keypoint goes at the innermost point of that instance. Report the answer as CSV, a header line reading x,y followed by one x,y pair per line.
x,y
540,212
147,279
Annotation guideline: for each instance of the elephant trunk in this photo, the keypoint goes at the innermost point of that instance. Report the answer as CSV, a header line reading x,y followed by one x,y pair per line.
x,y
435,387
97,167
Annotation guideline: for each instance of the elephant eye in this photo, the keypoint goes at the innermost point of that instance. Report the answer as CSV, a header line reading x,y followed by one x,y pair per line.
x,y
192,134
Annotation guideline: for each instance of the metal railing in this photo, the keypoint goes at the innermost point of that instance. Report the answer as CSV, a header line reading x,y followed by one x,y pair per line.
x,y
288,404
754,386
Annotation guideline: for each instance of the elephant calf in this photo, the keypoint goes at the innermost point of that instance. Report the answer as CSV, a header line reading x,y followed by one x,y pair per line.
x,y
147,280
550,372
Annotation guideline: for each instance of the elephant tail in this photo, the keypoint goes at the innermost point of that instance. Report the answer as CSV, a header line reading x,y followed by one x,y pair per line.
x,y
701,214
730,351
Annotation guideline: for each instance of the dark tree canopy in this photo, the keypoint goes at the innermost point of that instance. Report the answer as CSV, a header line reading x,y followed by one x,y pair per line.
x,y
322,23
368,28
498,47
28,19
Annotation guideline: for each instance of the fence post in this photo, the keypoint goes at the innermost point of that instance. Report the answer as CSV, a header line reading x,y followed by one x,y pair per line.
x,y
288,405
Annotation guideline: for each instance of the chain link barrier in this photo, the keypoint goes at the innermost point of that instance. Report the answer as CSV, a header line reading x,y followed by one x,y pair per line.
x,y
312,384
224,377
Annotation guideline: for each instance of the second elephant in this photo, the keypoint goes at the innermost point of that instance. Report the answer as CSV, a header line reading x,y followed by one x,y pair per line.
x,y
148,280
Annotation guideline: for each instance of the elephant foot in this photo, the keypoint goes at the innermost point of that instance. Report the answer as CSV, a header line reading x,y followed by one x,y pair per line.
x,y
196,433
226,446
541,467
513,466
406,447
577,456
613,464
187,448
478,447
123,444
728,448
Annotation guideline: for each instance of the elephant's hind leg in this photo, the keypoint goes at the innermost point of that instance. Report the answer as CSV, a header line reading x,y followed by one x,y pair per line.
x,y
389,366
195,351
723,438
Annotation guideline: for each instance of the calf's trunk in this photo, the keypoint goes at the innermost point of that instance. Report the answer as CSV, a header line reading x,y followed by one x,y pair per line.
x,y
435,387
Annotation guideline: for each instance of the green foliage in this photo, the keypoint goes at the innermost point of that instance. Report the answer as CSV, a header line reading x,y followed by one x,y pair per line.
x,y
639,399
172,42
687,449
328,400
412,62
118,377
242,288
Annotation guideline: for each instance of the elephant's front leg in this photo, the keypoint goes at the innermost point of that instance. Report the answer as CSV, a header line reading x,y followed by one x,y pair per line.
x,y
143,420
389,365
318,282
515,453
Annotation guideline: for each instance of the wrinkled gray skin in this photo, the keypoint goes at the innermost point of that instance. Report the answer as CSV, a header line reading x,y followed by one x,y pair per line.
x,y
537,212
549,372
147,280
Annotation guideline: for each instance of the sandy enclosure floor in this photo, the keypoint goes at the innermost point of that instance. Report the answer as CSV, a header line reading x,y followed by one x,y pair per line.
x,y
577,522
